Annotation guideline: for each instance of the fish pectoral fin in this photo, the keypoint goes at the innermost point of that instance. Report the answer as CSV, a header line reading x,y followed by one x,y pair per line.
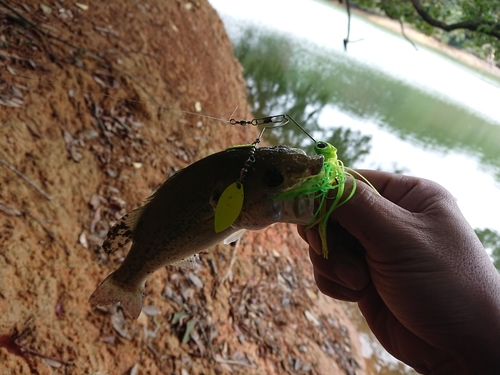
x,y
234,237
190,262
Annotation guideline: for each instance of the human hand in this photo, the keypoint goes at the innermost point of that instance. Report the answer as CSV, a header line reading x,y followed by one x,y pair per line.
x,y
422,279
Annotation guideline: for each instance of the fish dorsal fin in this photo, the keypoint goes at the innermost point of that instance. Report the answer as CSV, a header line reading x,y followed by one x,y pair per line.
x,y
234,237
132,218
190,262
122,232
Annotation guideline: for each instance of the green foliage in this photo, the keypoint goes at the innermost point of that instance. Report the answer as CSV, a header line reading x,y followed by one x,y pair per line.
x,y
479,31
491,241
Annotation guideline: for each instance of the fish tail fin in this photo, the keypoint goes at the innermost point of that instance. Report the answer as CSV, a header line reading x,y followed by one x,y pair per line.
x,y
110,292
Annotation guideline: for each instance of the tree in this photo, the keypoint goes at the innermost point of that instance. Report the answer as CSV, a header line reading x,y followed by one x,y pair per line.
x,y
470,24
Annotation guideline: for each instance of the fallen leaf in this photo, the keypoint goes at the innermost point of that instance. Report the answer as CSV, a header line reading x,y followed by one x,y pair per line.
x,y
178,316
10,103
75,155
327,348
311,294
83,240
59,309
151,310
10,211
297,365
111,172
187,293
310,317
199,343
307,367
52,362
71,145
82,6
195,280
109,339
16,92
95,201
189,330
95,220
99,81
133,370
119,324
222,362
17,102
45,9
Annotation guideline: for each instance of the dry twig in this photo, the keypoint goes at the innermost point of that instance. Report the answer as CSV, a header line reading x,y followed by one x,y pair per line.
x,y
26,179
229,272
41,355
48,231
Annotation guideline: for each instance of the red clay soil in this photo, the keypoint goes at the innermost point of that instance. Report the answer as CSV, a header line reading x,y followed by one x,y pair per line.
x,y
80,89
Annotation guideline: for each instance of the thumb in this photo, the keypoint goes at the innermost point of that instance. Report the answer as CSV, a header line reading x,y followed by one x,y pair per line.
x,y
379,218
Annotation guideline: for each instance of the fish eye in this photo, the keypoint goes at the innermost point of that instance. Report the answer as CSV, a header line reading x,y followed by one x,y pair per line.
x,y
273,177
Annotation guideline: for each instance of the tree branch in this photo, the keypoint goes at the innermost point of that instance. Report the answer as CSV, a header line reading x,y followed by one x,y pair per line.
x,y
469,25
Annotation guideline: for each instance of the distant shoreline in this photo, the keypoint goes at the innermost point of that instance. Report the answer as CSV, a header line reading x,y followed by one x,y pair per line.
x,y
414,35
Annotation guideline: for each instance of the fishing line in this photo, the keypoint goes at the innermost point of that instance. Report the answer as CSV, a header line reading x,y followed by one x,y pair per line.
x,y
156,105
274,121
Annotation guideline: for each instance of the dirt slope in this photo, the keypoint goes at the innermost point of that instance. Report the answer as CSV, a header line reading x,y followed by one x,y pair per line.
x,y
80,89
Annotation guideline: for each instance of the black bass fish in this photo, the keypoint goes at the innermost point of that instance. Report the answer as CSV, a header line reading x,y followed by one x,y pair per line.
x,y
177,221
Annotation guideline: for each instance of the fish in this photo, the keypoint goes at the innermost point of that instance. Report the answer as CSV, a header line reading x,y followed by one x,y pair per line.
x,y
177,221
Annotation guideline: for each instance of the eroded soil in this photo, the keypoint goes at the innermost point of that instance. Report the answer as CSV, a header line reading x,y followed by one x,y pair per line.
x,y
80,117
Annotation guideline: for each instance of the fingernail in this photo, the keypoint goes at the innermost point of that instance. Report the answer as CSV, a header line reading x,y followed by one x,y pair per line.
x,y
314,241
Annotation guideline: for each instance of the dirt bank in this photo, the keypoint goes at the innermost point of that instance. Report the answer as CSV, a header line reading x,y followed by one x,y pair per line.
x,y
80,119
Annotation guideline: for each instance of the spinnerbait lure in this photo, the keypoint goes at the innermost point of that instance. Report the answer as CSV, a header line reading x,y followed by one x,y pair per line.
x,y
332,178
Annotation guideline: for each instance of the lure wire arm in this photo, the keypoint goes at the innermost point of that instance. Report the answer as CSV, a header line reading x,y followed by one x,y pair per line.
x,y
277,121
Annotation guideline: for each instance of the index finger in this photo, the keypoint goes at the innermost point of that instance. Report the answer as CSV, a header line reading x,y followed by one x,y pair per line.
x,y
410,193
